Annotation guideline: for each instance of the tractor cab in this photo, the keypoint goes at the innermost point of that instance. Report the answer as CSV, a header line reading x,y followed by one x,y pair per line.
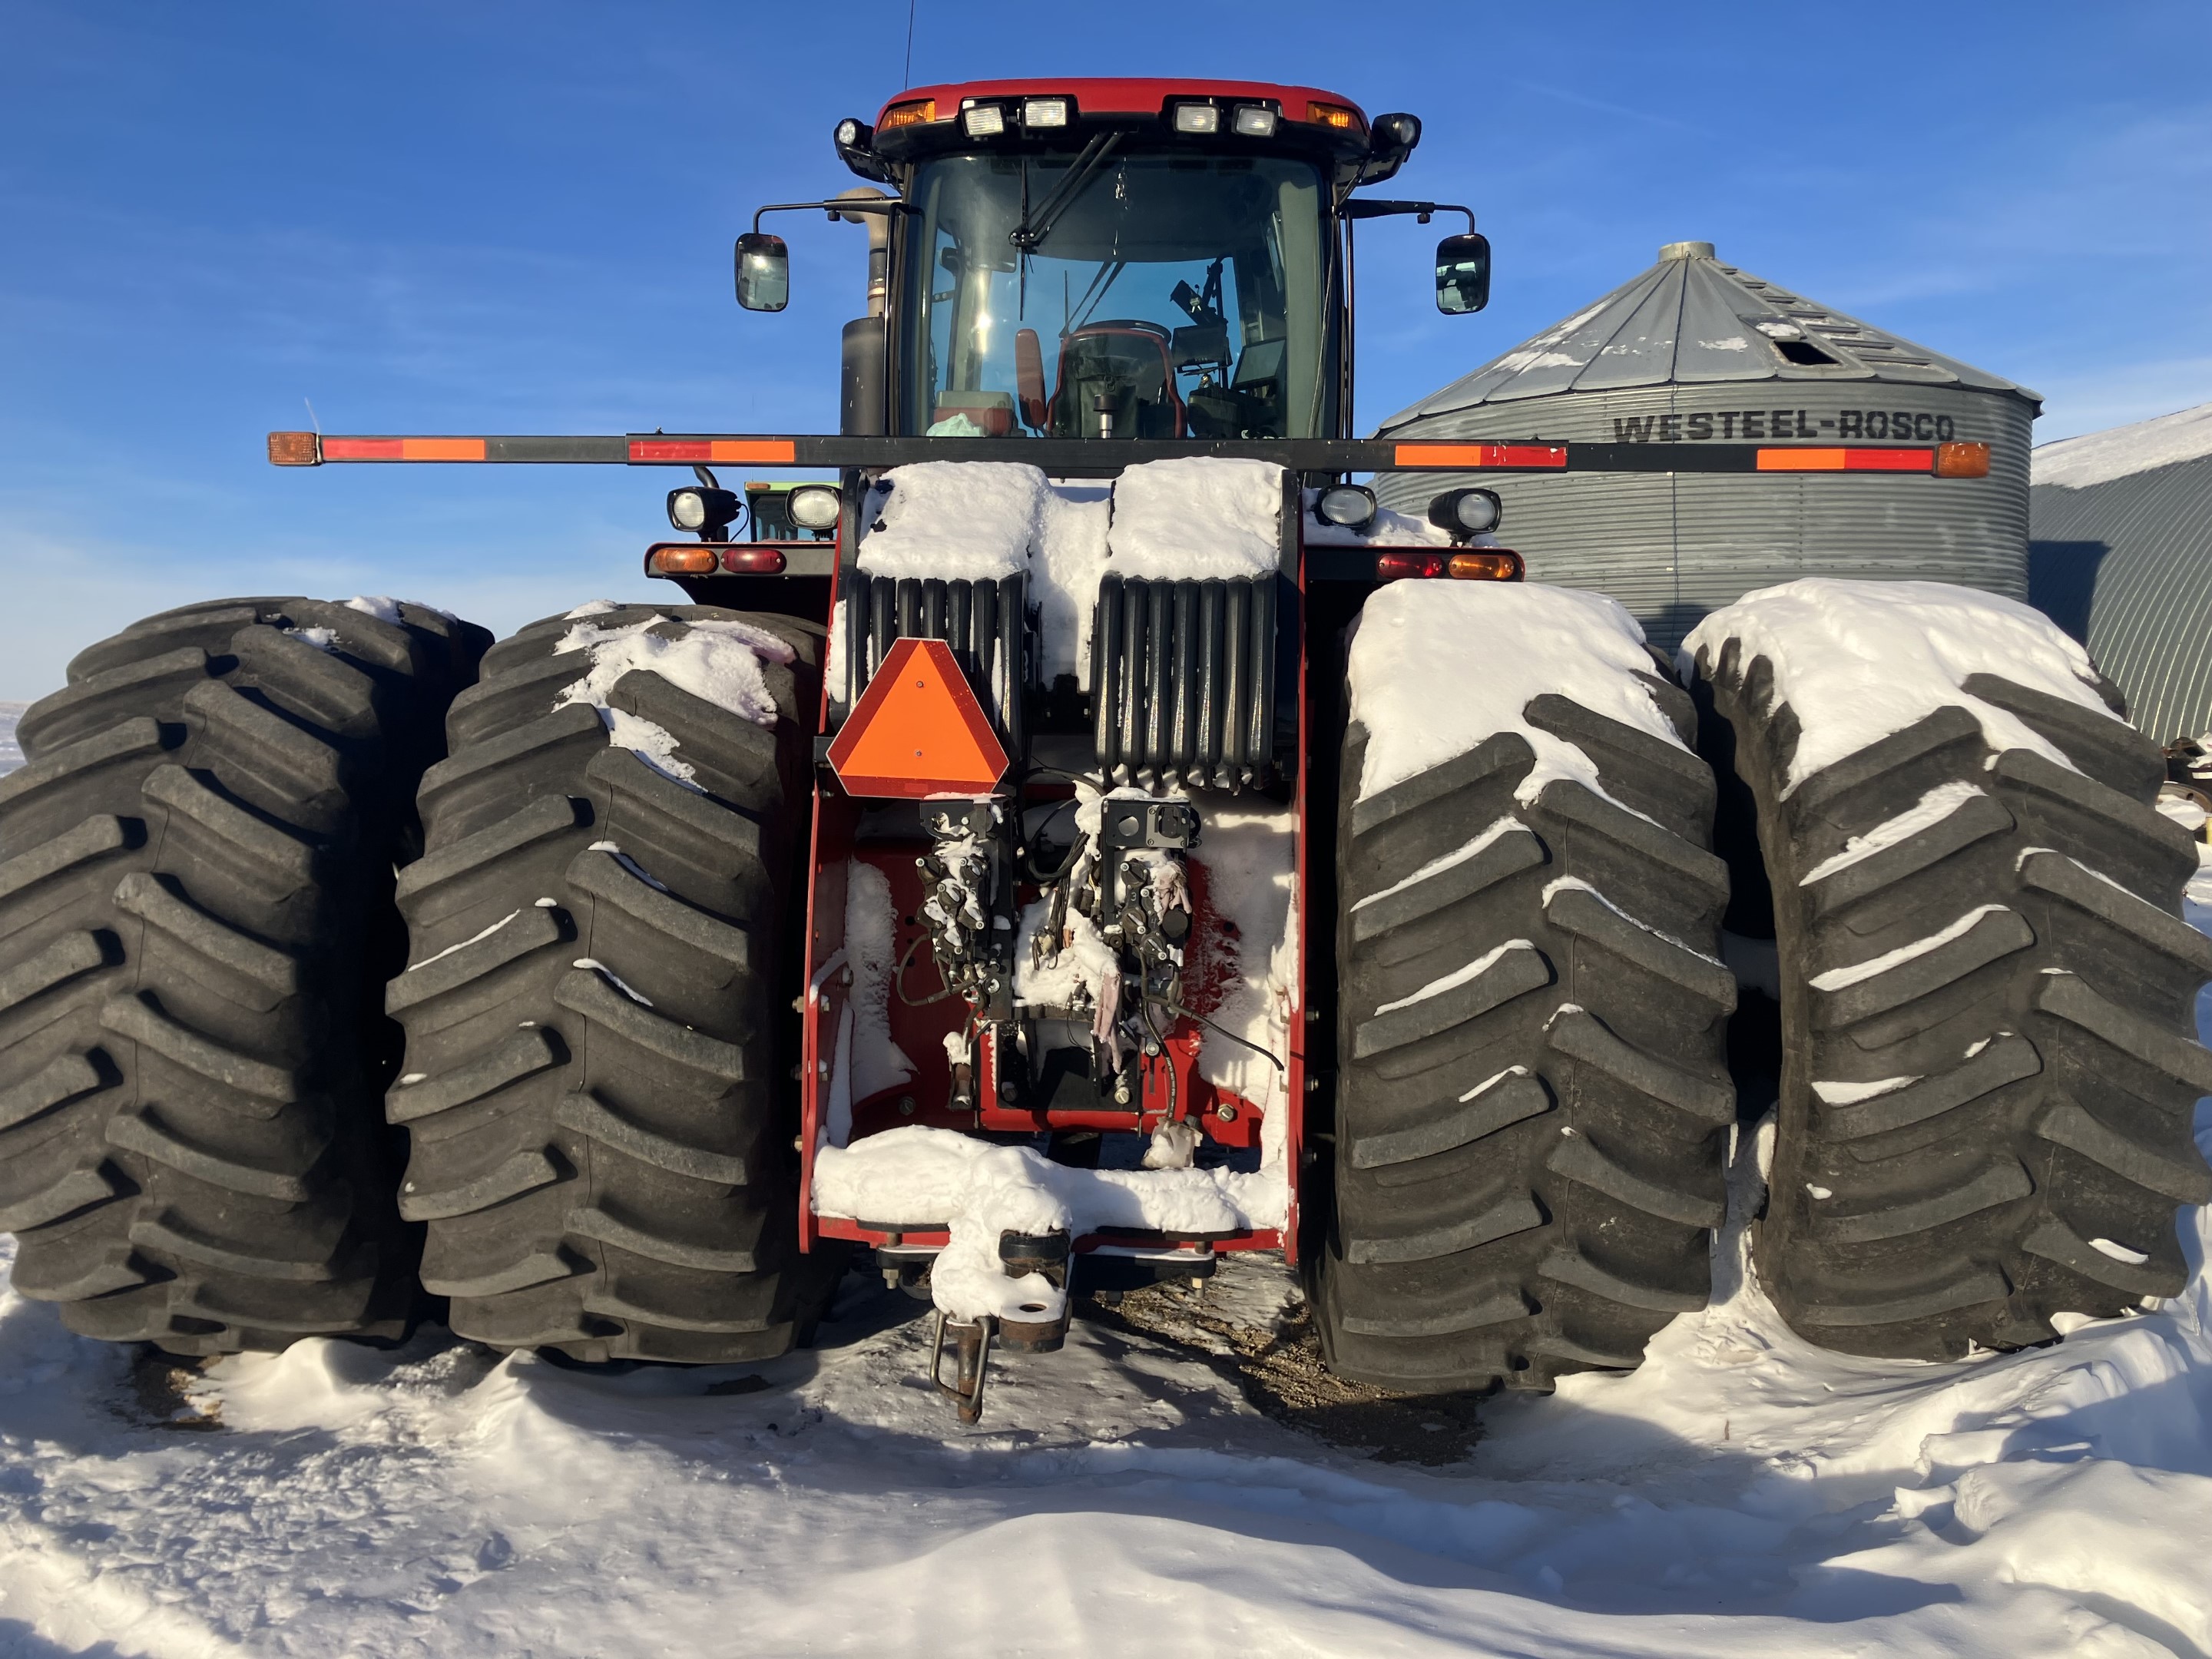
x,y
1159,259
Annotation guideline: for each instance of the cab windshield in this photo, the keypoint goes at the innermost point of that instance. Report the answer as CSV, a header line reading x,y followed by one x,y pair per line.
x,y
1161,297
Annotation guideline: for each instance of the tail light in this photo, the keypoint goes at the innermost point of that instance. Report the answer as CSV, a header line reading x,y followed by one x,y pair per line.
x,y
1962,460
1487,564
753,560
1394,567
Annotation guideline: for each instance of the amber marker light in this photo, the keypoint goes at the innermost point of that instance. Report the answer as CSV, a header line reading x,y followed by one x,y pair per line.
x,y
913,113
1952,460
294,449
683,559
1487,565
1332,115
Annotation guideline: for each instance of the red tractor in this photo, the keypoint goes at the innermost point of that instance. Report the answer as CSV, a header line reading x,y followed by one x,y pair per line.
x,y
1081,836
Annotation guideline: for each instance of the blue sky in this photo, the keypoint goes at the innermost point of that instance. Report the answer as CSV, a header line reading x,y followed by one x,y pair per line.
x,y
506,218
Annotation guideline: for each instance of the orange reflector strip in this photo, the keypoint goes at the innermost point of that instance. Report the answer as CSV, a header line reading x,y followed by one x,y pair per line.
x,y
294,449
1962,460
1846,460
403,449
1467,457
918,730
770,452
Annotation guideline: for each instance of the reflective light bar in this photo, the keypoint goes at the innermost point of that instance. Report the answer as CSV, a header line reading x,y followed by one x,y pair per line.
x,y
682,559
770,452
911,113
1809,460
983,121
1473,456
1197,117
1044,112
753,560
1255,121
1962,460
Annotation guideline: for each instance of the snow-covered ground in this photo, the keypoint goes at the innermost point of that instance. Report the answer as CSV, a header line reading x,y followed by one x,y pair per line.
x,y
1743,1493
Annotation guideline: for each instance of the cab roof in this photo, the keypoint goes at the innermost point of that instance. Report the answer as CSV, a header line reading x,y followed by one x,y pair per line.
x,y
1128,95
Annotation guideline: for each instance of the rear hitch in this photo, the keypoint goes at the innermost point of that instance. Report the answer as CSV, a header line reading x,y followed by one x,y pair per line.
x,y
971,1359
1039,1326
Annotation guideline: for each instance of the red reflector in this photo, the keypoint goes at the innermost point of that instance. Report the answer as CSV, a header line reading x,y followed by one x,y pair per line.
x,y
918,730
753,560
1488,564
294,449
682,559
1392,567
1845,460
770,452
1962,460
1467,457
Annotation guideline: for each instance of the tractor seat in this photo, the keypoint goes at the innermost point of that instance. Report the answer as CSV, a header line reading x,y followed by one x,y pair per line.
x,y
1126,360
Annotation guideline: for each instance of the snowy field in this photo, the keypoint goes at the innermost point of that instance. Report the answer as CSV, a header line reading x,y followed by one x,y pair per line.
x,y
1743,1493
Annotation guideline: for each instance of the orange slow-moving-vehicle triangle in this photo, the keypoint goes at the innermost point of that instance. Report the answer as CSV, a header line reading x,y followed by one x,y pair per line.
x,y
918,730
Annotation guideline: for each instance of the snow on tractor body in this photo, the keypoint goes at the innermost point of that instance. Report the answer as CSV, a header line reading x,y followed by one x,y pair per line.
x,y
1081,835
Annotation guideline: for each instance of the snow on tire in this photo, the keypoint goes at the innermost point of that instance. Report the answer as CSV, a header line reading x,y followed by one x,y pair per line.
x,y
196,922
596,1086
1987,989
1533,1102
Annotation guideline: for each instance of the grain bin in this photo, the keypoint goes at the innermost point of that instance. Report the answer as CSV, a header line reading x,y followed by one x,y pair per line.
x,y
1696,351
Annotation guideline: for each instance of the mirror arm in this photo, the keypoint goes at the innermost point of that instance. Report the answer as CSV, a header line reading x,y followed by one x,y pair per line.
x,y
838,209
1421,210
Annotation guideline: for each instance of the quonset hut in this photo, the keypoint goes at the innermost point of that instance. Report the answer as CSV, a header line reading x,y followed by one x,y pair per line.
x,y
1693,351
2122,560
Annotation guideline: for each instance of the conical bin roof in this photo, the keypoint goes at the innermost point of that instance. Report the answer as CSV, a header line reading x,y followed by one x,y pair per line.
x,y
1690,319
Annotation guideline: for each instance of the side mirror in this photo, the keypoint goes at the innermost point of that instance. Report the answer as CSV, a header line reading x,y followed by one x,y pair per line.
x,y
764,272
1463,273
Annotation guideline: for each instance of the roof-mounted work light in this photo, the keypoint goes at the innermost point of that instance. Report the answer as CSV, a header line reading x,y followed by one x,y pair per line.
x,y
1197,117
1044,112
983,121
1254,121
